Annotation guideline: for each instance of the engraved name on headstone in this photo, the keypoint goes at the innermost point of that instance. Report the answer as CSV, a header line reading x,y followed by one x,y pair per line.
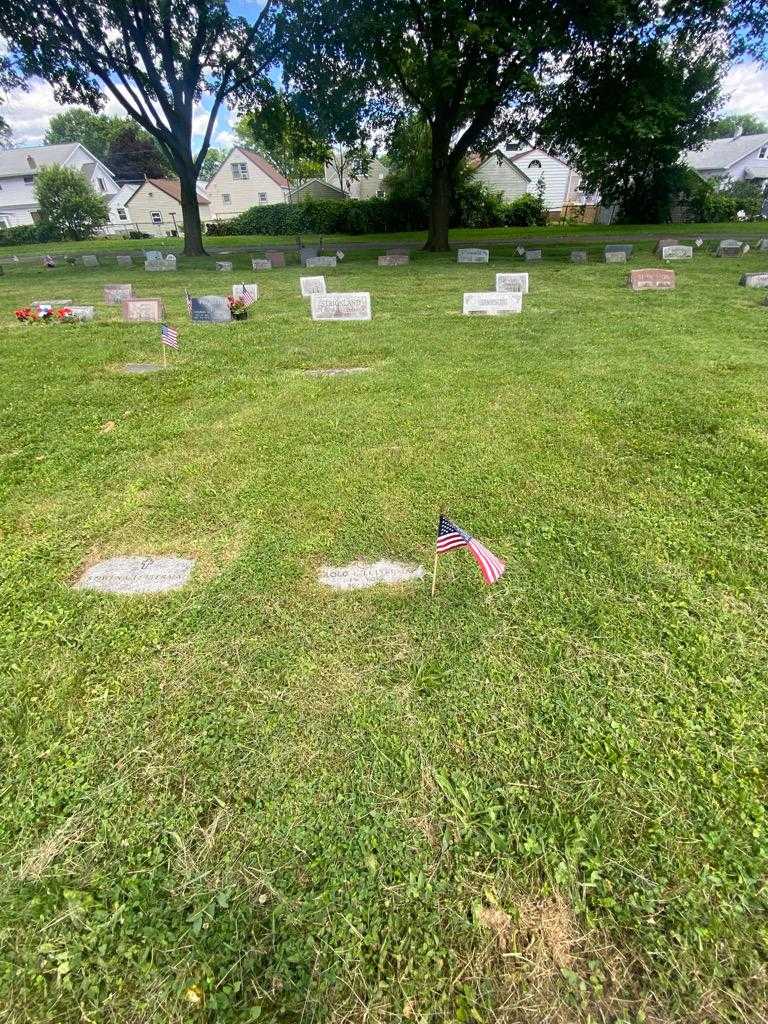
x,y
492,303
210,309
257,264
512,283
651,279
114,294
312,286
677,252
223,265
394,259
139,368
82,312
320,261
472,256
615,257
579,256
276,257
143,309
341,306
759,280
136,574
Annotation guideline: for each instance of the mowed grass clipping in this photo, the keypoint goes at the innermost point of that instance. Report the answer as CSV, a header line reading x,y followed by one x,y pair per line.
x,y
258,799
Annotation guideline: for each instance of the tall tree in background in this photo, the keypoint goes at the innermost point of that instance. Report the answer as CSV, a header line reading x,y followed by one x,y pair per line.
x,y
212,161
664,106
158,58
94,131
133,154
469,68
128,150
349,163
728,125
286,139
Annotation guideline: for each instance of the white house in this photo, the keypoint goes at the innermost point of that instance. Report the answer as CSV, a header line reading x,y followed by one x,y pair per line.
x,y
119,213
245,179
500,174
19,168
557,178
373,183
741,158
154,208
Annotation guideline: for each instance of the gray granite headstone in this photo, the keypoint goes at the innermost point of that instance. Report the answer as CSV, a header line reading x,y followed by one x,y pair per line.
x,y
320,261
141,367
754,280
124,261
341,306
143,310
472,256
729,248
626,249
154,265
210,309
533,255
579,256
512,283
257,264
394,259
223,265
312,286
137,574
83,312
492,303
677,252
307,252
90,261
114,294
615,257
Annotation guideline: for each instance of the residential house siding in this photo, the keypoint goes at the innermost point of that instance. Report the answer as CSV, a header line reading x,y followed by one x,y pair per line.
x,y
151,198
230,193
500,175
539,165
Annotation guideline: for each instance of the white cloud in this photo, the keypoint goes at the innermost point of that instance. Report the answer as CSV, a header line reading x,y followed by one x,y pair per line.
x,y
746,89
28,113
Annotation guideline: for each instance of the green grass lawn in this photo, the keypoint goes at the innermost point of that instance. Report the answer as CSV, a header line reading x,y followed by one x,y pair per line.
x,y
749,232
257,799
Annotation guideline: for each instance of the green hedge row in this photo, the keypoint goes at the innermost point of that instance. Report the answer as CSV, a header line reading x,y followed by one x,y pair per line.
x,y
376,216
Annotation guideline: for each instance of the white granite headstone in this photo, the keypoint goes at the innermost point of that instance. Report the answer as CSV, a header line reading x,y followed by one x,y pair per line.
x,y
341,306
257,264
492,303
137,574
358,575
759,280
512,283
115,293
319,261
615,256
312,286
472,256
677,252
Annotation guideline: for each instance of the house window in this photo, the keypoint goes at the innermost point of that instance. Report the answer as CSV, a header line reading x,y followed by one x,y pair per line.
x,y
263,198
380,193
28,179
239,172
226,198
122,214
102,187
156,217
534,165
763,153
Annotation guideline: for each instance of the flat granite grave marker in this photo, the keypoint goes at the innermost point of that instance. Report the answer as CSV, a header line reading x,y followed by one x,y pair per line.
x,y
626,249
320,261
533,255
257,264
472,255
124,261
394,259
223,265
312,286
276,257
137,368
729,248
90,261
237,290
492,303
512,283
358,575
137,574
579,256
341,306
150,310
754,280
651,279
615,257
82,312
677,252
115,294
210,309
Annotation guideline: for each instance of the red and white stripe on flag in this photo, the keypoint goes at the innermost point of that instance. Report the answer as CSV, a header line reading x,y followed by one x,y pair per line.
x,y
491,567
169,336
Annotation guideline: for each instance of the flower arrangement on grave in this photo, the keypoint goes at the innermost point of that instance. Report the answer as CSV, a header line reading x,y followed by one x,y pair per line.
x,y
25,315
237,308
65,315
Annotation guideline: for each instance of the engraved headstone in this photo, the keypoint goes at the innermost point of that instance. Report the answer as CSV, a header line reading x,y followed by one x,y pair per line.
x,y
579,256
472,256
276,257
138,368
663,242
238,289
307,252
153,254
257,264
677,252
210,309
154,265
533,255
762,245
729,248
492,303
82,312
312,286
615,257
223,265
150,310
358,575
114,294
320,261
512,283
626,249
341,306
136,574
90,261
170,262
394,259
124,261
754,280
651,279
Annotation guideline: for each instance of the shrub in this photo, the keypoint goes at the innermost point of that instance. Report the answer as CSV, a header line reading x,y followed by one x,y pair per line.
x,y
69,207
22,234
525,211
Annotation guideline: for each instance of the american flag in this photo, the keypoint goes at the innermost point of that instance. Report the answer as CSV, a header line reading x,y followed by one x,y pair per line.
x,y
246,295
169,336
450,536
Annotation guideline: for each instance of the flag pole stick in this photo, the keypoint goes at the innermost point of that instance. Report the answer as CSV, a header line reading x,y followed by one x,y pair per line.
x,y
434,574
165,361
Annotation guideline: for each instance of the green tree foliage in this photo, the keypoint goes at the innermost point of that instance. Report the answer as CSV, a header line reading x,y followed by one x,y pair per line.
x,y
213,160
727,126
349,162
133,154
286,139
69,207
94,131
631,154
157,58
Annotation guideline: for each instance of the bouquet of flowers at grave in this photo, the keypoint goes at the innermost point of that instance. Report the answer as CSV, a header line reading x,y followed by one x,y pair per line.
x,y
25,315
65,315
237,308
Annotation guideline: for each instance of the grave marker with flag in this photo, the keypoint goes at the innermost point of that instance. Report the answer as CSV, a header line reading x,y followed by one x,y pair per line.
x,y
169,338
450,536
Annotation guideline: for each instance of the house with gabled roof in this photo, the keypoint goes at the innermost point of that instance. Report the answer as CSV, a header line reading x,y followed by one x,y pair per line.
x,y
243,180
155,207
740,158
20,166
500,174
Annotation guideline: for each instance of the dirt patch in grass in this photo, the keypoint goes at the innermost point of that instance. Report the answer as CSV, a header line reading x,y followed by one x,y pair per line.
x,y
67,835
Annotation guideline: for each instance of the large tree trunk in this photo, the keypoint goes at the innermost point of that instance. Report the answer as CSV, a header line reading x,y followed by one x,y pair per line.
x,y
193,231
440,203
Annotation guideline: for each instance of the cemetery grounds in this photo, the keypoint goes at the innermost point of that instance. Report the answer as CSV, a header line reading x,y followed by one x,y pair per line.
x,y
259,799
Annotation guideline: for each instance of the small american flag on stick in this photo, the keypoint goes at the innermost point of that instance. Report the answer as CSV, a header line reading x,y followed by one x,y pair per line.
x,y
247,297
169,336
450,536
